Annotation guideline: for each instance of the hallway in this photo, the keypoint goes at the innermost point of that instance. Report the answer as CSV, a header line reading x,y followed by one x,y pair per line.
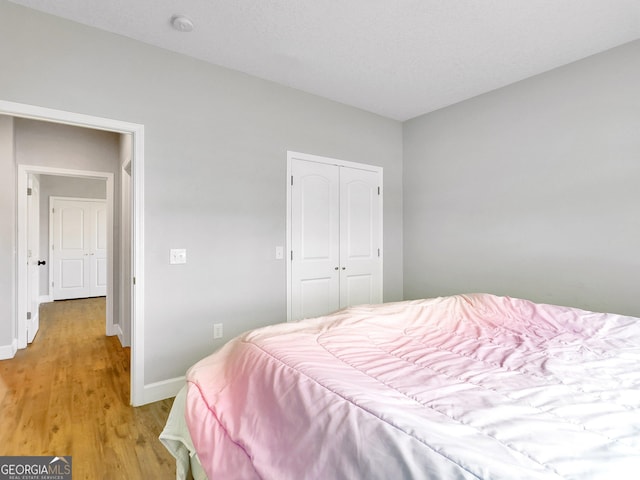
x,y
68,394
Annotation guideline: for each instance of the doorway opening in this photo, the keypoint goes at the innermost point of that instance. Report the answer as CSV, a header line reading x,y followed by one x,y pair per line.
x,y
27,308
135,240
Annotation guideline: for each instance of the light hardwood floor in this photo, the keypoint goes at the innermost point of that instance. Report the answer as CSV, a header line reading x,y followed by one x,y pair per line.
x,y
68,394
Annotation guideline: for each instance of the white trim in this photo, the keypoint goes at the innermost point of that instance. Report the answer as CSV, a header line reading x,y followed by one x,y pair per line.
x,y
330,161
32,325
45,299
35,112
157,391
120,334
137,267
8,351
137,132
23,172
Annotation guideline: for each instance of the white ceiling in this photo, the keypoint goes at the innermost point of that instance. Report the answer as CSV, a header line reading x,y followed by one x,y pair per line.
x,y
397,58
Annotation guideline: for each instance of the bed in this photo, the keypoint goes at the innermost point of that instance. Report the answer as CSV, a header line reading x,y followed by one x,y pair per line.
x,y
466,386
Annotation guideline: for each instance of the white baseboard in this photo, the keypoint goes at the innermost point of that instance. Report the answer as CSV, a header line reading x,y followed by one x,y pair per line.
x,y
120,335
45,299
157,391
112,330
9,351
33,324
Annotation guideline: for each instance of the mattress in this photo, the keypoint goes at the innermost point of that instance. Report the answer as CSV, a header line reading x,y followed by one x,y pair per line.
x,y
467,386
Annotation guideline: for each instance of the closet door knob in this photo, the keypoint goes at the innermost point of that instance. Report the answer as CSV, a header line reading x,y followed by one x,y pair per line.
x,y
336,268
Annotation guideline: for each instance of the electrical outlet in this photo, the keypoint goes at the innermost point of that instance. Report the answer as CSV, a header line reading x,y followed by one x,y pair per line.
x,y
217,330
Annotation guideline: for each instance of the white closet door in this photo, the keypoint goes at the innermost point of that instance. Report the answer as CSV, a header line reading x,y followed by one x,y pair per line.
x,y
360,234
315,237
336,237
79,248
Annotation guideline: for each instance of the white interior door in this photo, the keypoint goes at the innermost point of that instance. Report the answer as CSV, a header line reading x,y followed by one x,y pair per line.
x,y
360,237
33,256
315,230
79,253
335,228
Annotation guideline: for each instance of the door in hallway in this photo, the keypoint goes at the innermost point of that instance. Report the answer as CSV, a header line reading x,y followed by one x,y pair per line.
x,y
79,248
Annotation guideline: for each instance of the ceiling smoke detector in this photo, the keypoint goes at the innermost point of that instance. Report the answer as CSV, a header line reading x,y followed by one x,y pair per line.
x,y
182,23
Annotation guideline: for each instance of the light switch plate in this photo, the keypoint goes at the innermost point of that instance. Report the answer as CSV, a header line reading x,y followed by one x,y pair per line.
x,y
217,330
177,255
279,253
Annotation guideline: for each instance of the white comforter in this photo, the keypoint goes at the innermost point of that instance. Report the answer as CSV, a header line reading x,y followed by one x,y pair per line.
x,y
472,386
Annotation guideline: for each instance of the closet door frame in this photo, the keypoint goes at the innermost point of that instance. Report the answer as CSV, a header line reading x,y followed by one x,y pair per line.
x,y
291,157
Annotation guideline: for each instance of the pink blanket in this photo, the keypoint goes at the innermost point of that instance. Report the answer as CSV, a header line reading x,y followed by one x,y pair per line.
x,y
469,386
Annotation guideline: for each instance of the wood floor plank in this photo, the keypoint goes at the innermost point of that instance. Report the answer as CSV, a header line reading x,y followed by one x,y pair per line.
x,y
68,394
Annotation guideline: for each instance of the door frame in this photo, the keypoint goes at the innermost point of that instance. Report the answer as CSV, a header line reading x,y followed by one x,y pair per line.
x,y
23,172
33,320
137,218
291,156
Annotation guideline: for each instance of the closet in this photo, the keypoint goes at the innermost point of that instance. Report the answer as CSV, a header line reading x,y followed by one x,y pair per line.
x,y
334,235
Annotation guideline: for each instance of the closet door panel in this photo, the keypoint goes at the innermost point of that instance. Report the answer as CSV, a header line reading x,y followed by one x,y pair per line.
x,y
315,239
360,237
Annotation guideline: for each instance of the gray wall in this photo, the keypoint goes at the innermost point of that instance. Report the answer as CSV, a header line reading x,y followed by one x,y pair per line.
x,y
59,186
531,190
215,167
7,234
